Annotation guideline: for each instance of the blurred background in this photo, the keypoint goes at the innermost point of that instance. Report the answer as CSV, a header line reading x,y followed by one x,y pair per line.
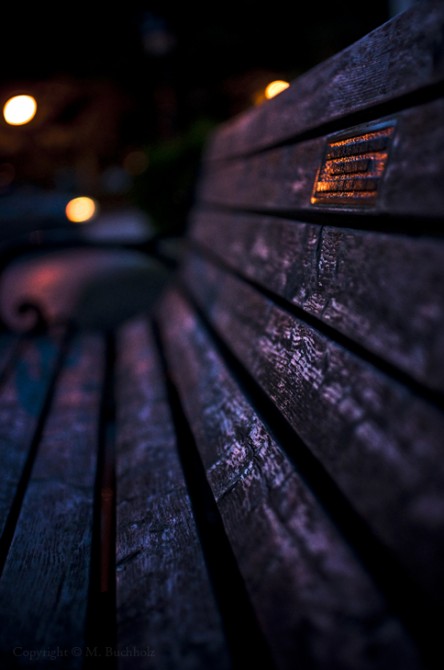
x,y
126,95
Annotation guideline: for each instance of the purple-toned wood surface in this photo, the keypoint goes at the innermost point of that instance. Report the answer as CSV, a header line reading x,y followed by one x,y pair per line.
x,y
164,599
313,599
379,441
22,395
383,291
283,179
45,582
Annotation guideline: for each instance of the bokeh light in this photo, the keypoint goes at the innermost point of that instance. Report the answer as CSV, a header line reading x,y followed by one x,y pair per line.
x,y
275,87
19,109
81,209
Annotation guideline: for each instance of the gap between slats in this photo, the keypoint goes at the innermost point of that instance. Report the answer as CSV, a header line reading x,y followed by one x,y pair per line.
x,y
362,221
101,627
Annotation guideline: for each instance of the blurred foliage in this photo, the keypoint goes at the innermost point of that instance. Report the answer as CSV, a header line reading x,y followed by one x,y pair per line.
x,y
165,190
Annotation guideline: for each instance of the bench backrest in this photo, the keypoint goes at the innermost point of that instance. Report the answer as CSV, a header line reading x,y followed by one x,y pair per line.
x,y
306,343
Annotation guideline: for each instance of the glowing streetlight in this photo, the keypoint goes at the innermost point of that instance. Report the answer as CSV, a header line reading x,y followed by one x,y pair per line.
x,y
81,209
19,109
275,87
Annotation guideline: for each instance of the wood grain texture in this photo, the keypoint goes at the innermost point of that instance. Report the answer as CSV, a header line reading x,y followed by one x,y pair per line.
x,y
383,291
400,57
283,178
315,603
164,600
45,582
21,399
379,442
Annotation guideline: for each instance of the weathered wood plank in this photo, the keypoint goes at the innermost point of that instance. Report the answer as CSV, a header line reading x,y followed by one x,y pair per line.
x,y
283,179
21,400
398,58
380,443
314,602
164,600
45,582
383,291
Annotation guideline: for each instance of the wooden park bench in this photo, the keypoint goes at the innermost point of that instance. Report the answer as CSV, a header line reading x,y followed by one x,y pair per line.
x,y
253,474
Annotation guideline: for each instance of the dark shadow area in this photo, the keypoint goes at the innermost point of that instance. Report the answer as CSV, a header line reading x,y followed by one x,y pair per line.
x,y
126,98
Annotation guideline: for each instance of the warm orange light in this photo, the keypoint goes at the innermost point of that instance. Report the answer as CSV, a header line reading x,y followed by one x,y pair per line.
x,y
19,110
275,87
81,210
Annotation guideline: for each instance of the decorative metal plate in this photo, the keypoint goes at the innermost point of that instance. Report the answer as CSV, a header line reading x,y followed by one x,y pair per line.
x,y
353,166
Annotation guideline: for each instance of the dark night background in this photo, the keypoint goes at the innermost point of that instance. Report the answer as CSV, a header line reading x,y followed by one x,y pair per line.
x,y
128,92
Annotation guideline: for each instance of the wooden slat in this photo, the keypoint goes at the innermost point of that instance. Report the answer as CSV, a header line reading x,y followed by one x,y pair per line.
x,y
21,400
400,57
379,442
383,291
45,582
283,179
312,598
164,600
